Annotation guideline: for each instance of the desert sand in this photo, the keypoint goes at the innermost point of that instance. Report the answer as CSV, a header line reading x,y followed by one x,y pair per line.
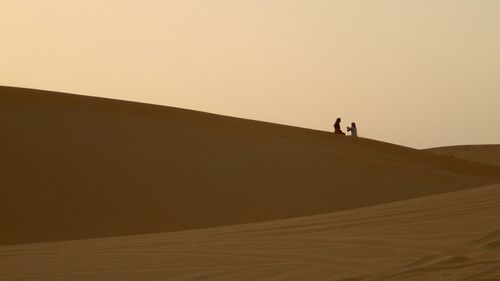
x,y
487,153
100,189
452,236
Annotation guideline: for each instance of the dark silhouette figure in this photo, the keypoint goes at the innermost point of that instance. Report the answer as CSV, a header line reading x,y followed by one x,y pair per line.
x,y
353,130
337,127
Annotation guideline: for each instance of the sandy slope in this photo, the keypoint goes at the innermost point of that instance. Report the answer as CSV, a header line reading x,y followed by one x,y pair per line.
x,y
452,236
489,154
76,167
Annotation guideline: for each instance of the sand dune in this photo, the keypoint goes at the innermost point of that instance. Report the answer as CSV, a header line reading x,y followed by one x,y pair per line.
x,y
77,167
488,154
451,236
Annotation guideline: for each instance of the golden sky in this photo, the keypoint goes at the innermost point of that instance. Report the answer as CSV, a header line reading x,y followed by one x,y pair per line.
x,y
420,73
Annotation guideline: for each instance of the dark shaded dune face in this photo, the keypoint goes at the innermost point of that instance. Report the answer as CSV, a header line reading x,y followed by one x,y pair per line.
x,y
75,167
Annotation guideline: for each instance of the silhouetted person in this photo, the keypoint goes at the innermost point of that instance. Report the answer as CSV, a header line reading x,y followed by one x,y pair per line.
x,y
337,127
353,130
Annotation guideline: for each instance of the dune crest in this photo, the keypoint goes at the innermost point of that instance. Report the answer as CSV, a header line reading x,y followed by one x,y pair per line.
x,y
76,167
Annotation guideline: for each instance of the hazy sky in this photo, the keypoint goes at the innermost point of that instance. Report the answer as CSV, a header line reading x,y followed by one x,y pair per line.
x,y
420,73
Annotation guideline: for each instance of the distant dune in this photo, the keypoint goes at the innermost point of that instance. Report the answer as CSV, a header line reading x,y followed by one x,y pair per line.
x,y
76,167
488,154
